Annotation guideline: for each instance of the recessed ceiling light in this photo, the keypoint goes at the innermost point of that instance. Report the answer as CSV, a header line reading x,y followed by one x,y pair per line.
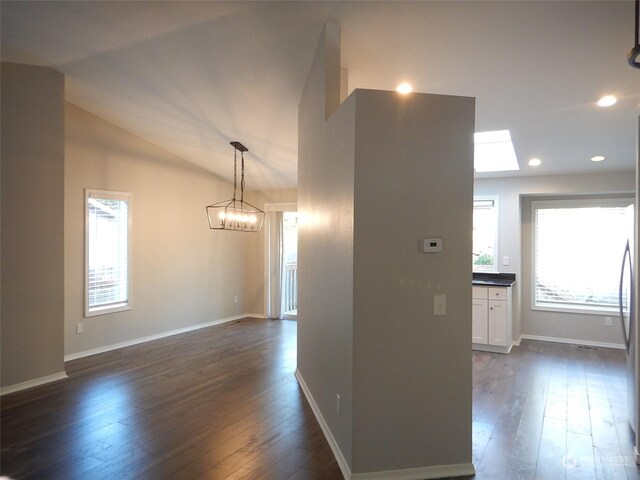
x,y
607,101
597,158
494,152
404,88
534,162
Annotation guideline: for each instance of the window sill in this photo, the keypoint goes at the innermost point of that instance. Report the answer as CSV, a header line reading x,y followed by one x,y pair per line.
x,y
595,310
107,310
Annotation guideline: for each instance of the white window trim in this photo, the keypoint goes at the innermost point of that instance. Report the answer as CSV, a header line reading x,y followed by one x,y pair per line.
x,y
95,311
495,267
558,307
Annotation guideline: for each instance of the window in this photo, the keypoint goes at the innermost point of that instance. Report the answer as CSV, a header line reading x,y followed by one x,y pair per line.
x,y
485,235
578,247
107,252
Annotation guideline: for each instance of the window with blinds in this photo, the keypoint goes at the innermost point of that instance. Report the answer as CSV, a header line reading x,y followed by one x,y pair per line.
x,y
108,252
485,234
578,247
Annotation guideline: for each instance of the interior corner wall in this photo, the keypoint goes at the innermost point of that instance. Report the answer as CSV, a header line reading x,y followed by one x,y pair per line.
x,y
380,173
184,274
32,130
325,251
412,368
512,193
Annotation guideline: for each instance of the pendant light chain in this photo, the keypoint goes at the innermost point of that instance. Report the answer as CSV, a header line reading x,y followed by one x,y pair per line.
x,y
242,179
235,174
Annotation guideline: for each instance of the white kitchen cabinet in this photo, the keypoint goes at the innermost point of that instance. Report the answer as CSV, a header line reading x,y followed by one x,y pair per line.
x,y
480,320
491,319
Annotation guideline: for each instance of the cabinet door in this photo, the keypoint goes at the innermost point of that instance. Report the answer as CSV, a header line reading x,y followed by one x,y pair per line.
x,y
479,321
497,323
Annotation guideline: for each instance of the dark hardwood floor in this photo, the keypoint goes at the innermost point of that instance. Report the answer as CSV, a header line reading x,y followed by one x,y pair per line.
x,y
551,411
222,403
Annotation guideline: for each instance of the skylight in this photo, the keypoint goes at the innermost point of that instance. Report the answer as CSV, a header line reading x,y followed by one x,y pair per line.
x,y
494,152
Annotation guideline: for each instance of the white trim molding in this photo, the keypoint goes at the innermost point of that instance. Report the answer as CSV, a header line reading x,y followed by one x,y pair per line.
x,y
516,343
424,473
136,341
342,462
33,383
573,341
636,455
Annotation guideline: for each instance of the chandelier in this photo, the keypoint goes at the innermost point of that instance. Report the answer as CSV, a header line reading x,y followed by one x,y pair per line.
x,y
236,215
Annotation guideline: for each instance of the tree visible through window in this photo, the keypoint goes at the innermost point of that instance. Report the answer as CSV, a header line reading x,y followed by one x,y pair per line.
x,y
578,250
108,280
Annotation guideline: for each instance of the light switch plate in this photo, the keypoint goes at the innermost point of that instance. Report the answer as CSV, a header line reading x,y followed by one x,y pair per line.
x,y
432,245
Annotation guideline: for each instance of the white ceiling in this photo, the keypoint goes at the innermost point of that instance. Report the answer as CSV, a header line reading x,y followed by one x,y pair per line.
x,y
192,76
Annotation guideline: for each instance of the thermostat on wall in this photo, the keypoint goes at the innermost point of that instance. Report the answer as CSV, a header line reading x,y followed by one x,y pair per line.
x,y
432,245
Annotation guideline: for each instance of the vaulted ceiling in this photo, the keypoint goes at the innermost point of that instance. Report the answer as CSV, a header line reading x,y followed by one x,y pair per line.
x,y
191,76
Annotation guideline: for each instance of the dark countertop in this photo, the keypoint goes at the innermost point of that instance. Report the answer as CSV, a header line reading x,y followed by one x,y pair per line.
x,y
494,279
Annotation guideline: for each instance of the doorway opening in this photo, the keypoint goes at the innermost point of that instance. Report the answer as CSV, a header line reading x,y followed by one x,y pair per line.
x,y
281,266
290,267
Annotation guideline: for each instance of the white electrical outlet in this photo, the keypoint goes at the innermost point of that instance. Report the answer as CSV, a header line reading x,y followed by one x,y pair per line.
x,y
79,328
607,321
235,299
439,304
338,404
505,261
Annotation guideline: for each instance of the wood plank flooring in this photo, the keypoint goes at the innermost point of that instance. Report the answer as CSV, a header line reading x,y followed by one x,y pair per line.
x,y
218,403
551,411
222,403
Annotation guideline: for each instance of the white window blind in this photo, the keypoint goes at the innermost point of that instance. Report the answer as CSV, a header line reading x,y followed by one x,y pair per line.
x,y
578,249
485,234
108,249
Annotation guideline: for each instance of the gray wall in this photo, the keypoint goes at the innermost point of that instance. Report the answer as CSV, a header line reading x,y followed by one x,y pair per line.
x,y
412,370
32,130
513,233
325,250
184,273
382,172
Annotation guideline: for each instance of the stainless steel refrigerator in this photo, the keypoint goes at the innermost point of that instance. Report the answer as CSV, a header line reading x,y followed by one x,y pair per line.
x,y
627,313
628,307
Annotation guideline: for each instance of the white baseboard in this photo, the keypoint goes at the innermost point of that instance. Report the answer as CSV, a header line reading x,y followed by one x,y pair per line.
x,y
342,462
425,473
516,343
573,341
136,341
491,348
33,383
636,455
